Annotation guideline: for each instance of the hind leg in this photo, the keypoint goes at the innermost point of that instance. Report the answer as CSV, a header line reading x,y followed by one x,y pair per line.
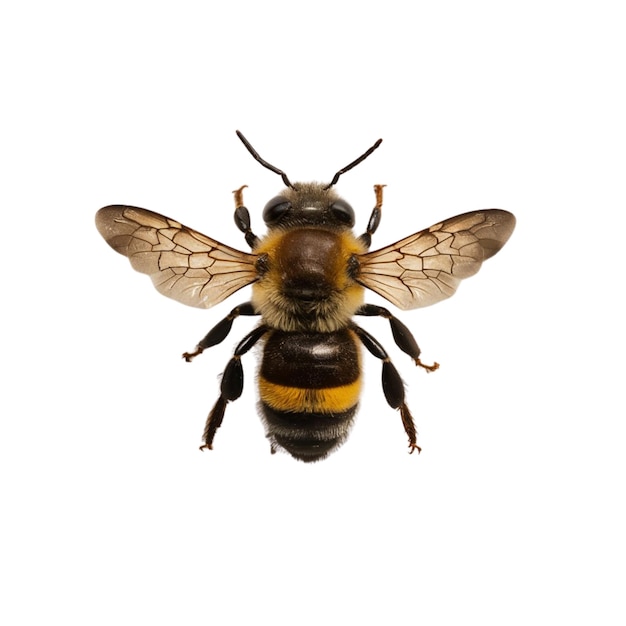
x,y
231,386
393,387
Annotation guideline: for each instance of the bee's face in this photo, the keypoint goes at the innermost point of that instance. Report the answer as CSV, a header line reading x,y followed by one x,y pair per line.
x,y
309,204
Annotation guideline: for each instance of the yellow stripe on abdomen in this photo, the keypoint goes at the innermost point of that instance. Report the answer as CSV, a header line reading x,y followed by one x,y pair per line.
x,y
301,400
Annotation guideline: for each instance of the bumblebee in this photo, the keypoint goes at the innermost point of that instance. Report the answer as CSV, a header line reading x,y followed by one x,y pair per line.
x,y
308,277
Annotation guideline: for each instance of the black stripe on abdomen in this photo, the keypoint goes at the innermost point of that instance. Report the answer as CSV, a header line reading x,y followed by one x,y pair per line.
x,y
311,360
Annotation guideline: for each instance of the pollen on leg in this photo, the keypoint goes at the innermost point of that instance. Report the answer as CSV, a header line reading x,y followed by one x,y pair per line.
x,y
428,368
238,193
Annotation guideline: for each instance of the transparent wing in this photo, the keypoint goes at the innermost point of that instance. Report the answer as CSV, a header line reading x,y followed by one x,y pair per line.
x,y
182,263
428,266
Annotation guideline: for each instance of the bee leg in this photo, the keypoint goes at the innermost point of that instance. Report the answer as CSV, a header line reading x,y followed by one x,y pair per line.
x,y
231,386
242,218
393,387
401,334
220,331
374,220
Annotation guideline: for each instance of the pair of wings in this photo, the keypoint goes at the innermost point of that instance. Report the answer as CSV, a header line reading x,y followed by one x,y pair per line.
x,y
194,269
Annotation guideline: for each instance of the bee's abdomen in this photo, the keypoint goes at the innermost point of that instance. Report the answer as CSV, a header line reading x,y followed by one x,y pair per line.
x,y
309,385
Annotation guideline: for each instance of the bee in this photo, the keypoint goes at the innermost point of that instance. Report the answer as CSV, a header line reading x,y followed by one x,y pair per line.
x,y
308,277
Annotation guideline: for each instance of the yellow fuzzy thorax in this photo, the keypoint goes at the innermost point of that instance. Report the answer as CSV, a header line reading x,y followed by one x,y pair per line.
x,y
325,315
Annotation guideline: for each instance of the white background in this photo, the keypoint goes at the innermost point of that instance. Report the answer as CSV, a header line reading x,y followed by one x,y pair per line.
x,y
513,513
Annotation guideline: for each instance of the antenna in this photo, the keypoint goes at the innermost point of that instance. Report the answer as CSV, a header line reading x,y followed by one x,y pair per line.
x,y
271,167
353,164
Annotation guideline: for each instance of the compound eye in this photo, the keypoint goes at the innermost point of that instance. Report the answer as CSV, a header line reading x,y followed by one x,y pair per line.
x,y
343,212
275,209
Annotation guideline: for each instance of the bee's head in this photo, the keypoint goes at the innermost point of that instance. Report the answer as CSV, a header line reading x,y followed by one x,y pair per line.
x,y
308,204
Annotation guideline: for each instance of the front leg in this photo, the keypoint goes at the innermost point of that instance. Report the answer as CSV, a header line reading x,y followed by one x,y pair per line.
x,y
242,218
401,334
220,331
374,220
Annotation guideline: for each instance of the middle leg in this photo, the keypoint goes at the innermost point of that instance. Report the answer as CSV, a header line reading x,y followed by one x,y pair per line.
x,y
401,334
